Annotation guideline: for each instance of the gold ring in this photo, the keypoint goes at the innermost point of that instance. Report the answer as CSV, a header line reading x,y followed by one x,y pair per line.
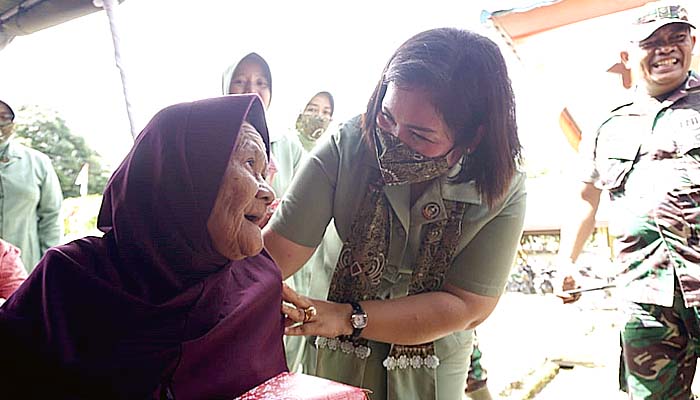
x,y
309,313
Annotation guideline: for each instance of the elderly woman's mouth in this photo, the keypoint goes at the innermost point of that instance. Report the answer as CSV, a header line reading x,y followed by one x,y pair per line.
x,y
253,218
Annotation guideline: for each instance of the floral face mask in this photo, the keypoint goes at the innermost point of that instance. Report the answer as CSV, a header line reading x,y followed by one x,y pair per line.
x,y
399,164
312,126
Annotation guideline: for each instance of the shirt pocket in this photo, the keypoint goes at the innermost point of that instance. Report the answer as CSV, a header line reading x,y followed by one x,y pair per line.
x,y
690,142
685,125
615,166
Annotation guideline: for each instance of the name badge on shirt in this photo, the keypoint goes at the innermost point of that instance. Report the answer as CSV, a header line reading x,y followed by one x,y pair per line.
x,y
687,127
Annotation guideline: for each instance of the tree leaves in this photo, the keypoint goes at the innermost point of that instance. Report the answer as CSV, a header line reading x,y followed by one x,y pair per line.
x,y
47,132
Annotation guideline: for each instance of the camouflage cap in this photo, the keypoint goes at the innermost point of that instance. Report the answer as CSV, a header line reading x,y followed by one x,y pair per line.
x,y
656,14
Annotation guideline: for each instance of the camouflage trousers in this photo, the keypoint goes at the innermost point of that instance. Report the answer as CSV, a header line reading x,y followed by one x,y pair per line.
x,y
476,377
661,347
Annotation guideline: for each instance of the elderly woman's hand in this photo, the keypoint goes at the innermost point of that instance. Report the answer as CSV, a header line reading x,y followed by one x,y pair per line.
x,y
307,317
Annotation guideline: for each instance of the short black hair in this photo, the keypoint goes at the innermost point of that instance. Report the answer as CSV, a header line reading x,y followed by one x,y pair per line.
x,y
466,78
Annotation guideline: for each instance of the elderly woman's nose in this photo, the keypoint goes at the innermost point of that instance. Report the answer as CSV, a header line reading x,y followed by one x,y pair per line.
x,y
265,193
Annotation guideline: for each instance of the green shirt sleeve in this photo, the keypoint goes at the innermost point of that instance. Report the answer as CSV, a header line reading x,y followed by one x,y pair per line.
x,y
307,207
483,266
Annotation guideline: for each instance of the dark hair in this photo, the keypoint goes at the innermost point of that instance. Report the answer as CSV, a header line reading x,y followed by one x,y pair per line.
x,y
466,78
12,112
330,99
256,58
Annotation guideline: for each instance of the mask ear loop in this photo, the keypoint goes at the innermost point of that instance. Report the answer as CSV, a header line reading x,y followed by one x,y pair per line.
x,y
468,150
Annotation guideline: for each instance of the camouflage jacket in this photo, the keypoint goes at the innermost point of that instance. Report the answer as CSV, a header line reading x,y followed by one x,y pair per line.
x,y
646,155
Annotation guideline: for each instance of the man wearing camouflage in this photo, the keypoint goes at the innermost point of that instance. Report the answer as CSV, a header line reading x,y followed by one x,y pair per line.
x,y
646,155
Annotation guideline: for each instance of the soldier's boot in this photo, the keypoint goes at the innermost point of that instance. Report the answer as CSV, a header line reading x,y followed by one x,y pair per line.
x,y
481,393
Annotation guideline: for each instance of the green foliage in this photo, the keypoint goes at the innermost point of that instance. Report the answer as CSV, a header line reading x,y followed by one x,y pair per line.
x,y
80,216
47,132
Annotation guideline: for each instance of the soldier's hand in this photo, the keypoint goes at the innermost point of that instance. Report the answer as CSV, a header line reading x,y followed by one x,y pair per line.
x,y
566,279
568,283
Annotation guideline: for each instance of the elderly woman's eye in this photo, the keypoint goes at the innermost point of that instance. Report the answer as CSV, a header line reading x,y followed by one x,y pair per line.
x,y
250,162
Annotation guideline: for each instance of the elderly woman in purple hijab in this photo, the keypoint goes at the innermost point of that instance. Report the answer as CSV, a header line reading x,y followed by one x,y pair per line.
x,y
176,300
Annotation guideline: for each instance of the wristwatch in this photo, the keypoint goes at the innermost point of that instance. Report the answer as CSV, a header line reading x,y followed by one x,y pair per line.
x,y
358,320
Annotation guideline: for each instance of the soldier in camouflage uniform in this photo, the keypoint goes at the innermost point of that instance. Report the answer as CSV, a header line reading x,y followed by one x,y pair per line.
x,y
646,155
476,376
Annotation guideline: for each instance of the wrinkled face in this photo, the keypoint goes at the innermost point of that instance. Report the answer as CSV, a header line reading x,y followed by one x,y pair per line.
x,y
408,114
242,200
660,63
319,105
249,77
6,125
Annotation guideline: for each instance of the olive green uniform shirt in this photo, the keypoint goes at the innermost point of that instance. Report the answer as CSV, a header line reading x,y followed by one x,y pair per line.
x,y
332,185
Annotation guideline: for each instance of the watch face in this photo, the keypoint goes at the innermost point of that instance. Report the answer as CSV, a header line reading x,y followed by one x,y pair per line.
x,y
359,321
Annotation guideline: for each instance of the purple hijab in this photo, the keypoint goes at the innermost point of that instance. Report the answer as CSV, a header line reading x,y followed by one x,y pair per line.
x,y
151,310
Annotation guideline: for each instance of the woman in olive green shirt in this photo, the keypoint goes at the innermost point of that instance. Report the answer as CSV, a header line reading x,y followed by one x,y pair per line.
x,y
425,193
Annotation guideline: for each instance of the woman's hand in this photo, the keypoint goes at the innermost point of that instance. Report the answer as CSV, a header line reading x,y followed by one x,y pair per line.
x,y
307,317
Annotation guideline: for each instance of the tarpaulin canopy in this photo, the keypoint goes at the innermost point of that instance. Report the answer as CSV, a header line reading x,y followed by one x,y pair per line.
x,y
22,17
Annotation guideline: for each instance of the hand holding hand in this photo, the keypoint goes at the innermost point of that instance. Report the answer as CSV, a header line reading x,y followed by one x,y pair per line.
x,y
306,317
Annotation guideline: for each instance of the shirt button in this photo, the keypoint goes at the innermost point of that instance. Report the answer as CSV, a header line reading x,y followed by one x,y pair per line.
x,y
431,211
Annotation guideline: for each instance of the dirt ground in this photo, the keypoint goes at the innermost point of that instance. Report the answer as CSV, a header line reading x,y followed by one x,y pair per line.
x,y
528,337
527,334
